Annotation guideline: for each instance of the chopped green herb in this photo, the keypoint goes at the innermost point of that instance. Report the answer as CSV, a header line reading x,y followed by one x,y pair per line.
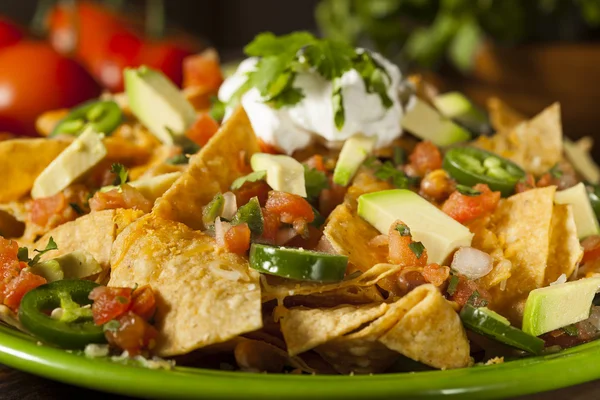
x,y
23,252
452,284
121,172
387,171
319,219
217,109
189,147
467,191
399,156
112,326
251,177
417,248
179,159
315,181
404,230
571,330
476,300
77,208
556,171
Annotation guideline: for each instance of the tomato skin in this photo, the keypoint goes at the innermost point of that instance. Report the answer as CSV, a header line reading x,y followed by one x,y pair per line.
x,y
109,303
258,189
133,334
290,207
203,70
144,302
465,208
9,33
270,226
203,129
128,197
43,209
465,289
426,157
19,286
399,251
35,79
237,239
436,274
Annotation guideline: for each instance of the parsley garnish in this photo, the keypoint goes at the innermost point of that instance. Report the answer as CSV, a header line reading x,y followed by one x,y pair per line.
x,y
315,182
467,191
23,252
77,208
387,170
556,171
571,330
178,159
251,177
452,284
121,172
476,300
399,156
417,248
403,230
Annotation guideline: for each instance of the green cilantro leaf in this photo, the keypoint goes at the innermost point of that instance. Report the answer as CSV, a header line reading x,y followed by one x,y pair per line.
x,y
337,101
417,248
217,109
404,230
556,171
319,219
452,284
179,159
267,44
399,156
288,97
121,172
374,76
467,191
23,252
315,182
251,177
476,300
571,330
331,59
387,171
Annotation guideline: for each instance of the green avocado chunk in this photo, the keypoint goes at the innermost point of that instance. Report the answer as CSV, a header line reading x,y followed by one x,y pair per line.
x,y
78,264
585,218
556,306
284,173
458,107
353,154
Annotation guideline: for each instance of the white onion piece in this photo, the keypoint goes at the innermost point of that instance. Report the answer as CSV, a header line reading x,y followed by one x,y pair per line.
x,y
561,279
471,262
285,235
229,206
221,229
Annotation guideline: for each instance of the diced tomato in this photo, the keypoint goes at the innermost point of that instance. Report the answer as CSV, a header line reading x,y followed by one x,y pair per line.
x,y
144,302
436,274
203,70
426,157
19,286
268,148
127,197
109,303
203,129
316,162
133,334
464,208
258,189
465,289
525,184
399,248
270,226
591,248
289,207
43,209
237,239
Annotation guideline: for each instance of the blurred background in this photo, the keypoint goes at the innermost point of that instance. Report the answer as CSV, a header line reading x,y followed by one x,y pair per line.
x,y
529,53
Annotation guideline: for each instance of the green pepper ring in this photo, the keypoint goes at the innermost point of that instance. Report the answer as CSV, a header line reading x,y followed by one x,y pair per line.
x,y
73,335
110,118
462,175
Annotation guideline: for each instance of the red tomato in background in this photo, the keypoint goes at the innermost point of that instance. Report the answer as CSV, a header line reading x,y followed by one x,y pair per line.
x,y
34,78
9,33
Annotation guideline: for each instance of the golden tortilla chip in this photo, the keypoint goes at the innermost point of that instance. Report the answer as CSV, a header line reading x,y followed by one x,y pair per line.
x,y
502,116
205,296
486,240
21,161
354,295
429,331
210,171
304,328
565,250
536,145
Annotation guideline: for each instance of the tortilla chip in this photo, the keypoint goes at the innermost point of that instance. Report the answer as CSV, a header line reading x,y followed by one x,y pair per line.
x,y
429,331
502,116
364,182
354,295
565,250
204,296
21,161
487,241
350,235
536,145
304,328
287,288
210,171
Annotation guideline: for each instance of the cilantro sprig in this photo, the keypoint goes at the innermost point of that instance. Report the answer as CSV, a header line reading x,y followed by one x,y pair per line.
x,y
23,252
121,172
387,171
315,181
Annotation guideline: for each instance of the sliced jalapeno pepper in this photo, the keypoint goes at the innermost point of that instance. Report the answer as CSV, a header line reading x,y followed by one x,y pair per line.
x,y
104,115
75,329
470,166
594,196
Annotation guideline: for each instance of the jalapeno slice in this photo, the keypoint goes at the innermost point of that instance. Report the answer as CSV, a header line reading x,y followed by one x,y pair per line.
x,y
470,166
104,115
75,330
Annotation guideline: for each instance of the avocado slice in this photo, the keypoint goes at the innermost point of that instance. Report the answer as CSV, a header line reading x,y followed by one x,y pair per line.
x,y
458,107
78,158
582,161
283,172
159,104
427,123
556,306
49,270
585,219
439,233
154,187
78,264
353,154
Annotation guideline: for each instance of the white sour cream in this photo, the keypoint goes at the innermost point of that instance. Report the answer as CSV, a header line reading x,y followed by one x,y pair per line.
x,y
292,128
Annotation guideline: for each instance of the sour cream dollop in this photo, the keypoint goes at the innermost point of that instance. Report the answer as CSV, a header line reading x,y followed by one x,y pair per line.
x,y
292,128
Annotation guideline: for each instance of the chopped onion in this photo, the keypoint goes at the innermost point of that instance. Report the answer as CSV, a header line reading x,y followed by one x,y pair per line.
x,y
221,229
561,279
229,206
285,235
471,262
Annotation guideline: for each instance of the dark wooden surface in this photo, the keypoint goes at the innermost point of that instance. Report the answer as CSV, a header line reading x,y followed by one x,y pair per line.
x,y
16,385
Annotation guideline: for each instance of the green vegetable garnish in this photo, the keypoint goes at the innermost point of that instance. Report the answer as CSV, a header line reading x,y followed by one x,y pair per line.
x,y
251,177
403,230
23,252
121,172
467,191
315,181
251,214
417,248
213,209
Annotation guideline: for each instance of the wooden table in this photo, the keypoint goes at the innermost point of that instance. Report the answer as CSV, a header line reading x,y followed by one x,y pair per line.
x,y
16,385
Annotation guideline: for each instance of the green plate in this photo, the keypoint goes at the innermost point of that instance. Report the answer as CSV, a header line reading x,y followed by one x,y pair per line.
x,y
570,367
